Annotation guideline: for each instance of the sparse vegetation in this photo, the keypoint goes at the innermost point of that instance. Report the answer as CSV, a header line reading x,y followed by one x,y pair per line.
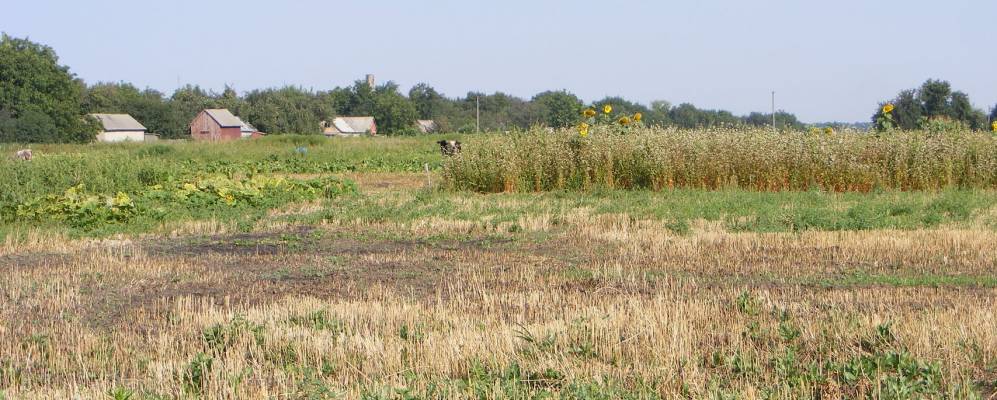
x,y
391,289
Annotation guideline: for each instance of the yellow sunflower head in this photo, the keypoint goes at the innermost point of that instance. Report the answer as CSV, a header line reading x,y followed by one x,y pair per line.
x,y
607,109
888,108
994,126
583,129
638,117
589,112
624,120
829,130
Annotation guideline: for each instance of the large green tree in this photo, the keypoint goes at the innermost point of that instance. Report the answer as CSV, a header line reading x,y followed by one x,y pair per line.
x,y
286,110
40,99
557,109
935,99
429,103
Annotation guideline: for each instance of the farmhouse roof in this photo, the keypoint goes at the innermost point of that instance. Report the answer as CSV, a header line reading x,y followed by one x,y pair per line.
x,y
353,124
224,118
246,126
426,125
118,122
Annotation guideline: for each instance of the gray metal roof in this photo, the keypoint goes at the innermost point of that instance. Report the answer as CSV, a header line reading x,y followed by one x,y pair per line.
x,y
426,125
224,118
246,126
118,122
354,124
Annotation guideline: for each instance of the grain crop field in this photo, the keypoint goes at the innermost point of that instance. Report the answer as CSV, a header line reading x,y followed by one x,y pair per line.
x,y
403,285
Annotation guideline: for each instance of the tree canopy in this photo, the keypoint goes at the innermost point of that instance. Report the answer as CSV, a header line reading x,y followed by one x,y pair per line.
x,y
934,100
40,100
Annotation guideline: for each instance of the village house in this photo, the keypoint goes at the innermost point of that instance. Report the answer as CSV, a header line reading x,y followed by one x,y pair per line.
x,y
119,128
219,124
248,131
350,126
426,126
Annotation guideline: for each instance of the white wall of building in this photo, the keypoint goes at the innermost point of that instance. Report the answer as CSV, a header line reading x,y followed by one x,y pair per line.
x,y
121,136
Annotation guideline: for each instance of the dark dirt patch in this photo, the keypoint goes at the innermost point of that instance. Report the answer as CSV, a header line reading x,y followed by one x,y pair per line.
x,y
244,244
257,268
32,260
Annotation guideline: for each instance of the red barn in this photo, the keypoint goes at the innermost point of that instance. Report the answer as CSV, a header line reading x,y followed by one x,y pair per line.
x,y
216,124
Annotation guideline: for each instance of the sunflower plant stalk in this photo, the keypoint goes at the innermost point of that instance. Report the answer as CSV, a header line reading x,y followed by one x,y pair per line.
x,y
885,122
603,117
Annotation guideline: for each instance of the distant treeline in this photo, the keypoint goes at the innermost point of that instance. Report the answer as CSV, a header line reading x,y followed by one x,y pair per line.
x,y
42,101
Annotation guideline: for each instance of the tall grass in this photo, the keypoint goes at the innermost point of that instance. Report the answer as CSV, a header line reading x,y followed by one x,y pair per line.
x,y
752,159
128,167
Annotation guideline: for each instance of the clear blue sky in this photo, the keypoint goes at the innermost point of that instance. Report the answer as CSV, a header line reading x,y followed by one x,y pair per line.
x,y
827,60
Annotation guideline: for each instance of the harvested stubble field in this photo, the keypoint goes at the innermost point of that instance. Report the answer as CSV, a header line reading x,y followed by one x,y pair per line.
x,y
402,292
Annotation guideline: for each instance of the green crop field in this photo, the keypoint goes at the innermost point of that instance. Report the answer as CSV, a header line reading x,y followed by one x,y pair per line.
x,y
639,264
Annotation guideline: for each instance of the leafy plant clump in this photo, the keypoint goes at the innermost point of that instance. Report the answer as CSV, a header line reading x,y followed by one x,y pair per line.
x,y
80,209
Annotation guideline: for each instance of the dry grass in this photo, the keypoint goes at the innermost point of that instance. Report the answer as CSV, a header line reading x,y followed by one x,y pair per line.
x,y
446,308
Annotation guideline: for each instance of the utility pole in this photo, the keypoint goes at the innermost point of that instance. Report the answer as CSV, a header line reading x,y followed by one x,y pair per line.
x,y
773,110
477,113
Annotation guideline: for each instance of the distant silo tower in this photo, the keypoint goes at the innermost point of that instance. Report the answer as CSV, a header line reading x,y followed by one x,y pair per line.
x,y
370,80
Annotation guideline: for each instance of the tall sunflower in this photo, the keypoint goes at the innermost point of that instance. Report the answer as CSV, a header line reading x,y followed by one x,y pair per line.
x,y
583,129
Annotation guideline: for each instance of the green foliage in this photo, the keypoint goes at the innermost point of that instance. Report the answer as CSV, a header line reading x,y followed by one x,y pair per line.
x,y
219,337
429,104
557,109
31,127
77,208
130,168
170,199
120,394
39,99
881,369
933,104
312,387
285,110
196,374
319,320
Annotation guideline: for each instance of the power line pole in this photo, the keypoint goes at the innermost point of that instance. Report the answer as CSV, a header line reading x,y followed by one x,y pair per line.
x,y
773,110
477,113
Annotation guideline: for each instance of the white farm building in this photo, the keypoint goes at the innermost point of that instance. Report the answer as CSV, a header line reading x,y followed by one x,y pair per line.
x,y
119,128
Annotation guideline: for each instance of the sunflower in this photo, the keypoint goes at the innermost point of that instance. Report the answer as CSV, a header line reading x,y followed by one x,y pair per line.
x,y
829,130
638,117
624,120
589,112
583,129
607,109
994,126
888,108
